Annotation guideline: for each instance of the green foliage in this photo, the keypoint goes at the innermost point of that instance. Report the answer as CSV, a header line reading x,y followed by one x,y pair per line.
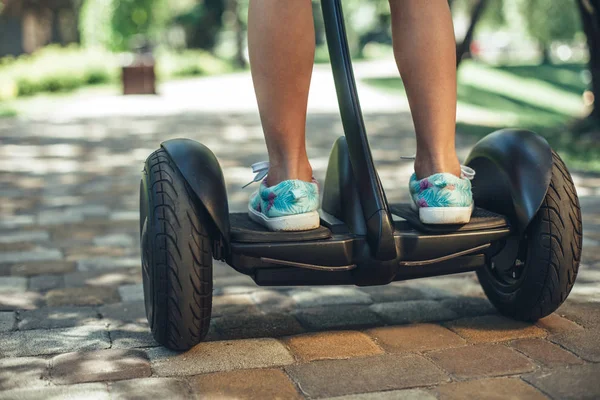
x,y
189,63
136,17
549,20
113,24
203,22
58,69
55,69
95,23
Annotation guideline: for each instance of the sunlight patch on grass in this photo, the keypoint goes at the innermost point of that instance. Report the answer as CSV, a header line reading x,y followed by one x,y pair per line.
x,y
530,90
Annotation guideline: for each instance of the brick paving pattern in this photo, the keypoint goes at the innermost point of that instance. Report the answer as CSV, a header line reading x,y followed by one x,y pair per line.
x,y
72,321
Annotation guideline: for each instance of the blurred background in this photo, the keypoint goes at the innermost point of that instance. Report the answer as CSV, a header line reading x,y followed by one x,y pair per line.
x,y
531,63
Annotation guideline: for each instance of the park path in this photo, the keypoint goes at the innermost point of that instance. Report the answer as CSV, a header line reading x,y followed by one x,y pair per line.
x,y
72,322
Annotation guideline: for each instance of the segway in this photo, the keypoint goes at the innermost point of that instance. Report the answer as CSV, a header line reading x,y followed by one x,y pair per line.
x,y
524,239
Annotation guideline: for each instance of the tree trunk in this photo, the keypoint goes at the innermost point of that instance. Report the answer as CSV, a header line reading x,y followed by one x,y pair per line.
x,y
590,16
463,48
239,33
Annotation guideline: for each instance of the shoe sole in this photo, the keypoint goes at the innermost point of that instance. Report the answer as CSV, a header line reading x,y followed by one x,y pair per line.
x,y
298,222
445,215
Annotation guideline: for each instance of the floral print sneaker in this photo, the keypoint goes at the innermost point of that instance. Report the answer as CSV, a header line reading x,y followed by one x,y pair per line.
x,y
288,206
443,198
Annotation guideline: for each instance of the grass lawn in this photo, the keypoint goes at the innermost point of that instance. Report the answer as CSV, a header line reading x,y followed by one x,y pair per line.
x,y
7,111
543,98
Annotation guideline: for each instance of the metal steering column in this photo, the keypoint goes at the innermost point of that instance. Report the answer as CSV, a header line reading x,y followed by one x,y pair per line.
x,y
380,228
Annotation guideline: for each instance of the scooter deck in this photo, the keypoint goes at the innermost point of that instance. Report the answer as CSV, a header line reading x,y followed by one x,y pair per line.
x,y
480,220
244,230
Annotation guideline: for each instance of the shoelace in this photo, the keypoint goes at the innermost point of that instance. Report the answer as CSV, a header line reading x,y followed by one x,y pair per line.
x,y
465,172
261,169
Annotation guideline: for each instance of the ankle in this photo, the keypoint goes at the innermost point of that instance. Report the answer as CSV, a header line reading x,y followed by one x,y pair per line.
x,y
427,165
279,172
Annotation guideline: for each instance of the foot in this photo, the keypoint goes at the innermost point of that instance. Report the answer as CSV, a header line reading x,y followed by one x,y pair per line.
x,y
443,198
290,205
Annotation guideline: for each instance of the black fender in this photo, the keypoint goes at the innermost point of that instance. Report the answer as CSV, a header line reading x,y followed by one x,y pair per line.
x,y
200,168
513,168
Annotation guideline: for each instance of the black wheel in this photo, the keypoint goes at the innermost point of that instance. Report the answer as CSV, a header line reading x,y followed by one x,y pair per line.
x,y
176,256
548,256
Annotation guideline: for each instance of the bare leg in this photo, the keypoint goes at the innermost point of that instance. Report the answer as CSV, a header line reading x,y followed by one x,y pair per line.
x,y
281,41
425,50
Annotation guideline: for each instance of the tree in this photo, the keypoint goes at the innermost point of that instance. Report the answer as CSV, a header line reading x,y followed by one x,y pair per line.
x,y
464,47
590,17
550,20
203,23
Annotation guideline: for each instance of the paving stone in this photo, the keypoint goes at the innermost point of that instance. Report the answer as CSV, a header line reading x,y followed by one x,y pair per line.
x,y
570,382
56,317
7,321
127,312
24,301
58,217
330,295
220,356
102,263
332,345
418,337
232,304
150,388
51,341
583,292
495,388
234,284
12,247
12,284
272,301
132,216
131,335
337,317
544,352
443,287
588,276
413,311
115,239
24,236
248,384
583,343
389,293
43,283
83,252
42,267
493,328
406,394
131,292
585,314
83,296
554,323
221,269
107,277
469,306
16,221
366,374
39,254
22,372
86,391
96,366
481,360
245,326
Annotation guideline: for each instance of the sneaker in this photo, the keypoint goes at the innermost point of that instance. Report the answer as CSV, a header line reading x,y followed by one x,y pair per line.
x,y
288,206
443,198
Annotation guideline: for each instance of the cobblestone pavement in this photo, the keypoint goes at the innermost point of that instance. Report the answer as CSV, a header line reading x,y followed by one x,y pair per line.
x,y
72,323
